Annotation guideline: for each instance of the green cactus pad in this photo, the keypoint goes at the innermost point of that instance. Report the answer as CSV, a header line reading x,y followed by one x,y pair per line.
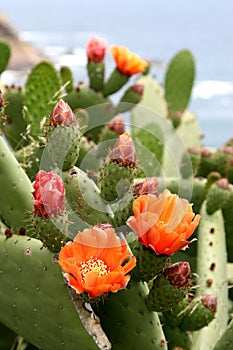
x,y
122,209
114,180
29,158
228,222
226,340
212,273
16,188
148,264
178,140
41,94
152,100
216,198
115,82
173,318
53,233
67,78
84,97
87,155
176,339
163,296
62,147
127,321
83,196
5,53
179,81
96,73
196,316
34,299
12,122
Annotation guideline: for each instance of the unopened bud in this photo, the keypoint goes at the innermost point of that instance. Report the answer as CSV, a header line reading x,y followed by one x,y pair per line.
x,y
223,183
117,124
124,150
209,301
62,114
138,89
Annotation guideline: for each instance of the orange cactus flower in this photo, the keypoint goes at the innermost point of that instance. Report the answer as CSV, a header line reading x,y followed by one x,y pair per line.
x,y
163,223
128,63
92,263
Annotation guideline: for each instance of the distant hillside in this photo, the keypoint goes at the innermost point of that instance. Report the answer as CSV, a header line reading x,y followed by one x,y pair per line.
x,y
23,55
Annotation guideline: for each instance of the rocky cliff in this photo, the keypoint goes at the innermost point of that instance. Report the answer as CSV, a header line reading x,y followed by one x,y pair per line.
x,y
23,55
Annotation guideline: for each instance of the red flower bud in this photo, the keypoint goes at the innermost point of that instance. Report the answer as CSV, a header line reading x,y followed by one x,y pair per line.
x,y
117,124
49,194
223,183
96,49
148,186
206,153
62,114
124,150
178,274
138,89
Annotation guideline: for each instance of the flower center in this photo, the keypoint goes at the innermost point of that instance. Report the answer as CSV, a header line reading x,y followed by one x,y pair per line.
x,y
94,264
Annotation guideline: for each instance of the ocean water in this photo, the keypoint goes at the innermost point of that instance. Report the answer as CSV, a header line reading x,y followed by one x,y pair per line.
x,y
156,30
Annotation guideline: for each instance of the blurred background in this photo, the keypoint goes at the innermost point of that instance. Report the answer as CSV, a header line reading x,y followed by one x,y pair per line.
x,y
155,29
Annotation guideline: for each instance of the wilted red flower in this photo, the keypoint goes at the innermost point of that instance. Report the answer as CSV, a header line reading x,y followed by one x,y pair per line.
x,y
124,150
93,262
62,114
96,49
49,194
128,63
178,274
117,124
149,186
163,223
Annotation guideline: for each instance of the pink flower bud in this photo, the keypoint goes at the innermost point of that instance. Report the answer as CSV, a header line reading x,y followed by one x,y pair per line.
x,y
117,124
138,89
124,150
148,186
223,183
62,114
209,301
206,153
49,194
96,49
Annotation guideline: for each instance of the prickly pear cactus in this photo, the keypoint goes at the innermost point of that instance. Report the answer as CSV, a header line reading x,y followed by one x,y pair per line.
x,y
92,239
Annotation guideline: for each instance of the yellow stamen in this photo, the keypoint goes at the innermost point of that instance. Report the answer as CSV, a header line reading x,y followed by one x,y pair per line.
x,y
94,264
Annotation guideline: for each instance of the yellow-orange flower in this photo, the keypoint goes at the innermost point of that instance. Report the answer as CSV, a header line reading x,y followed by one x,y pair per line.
x,y
163,223
92,263
128,63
